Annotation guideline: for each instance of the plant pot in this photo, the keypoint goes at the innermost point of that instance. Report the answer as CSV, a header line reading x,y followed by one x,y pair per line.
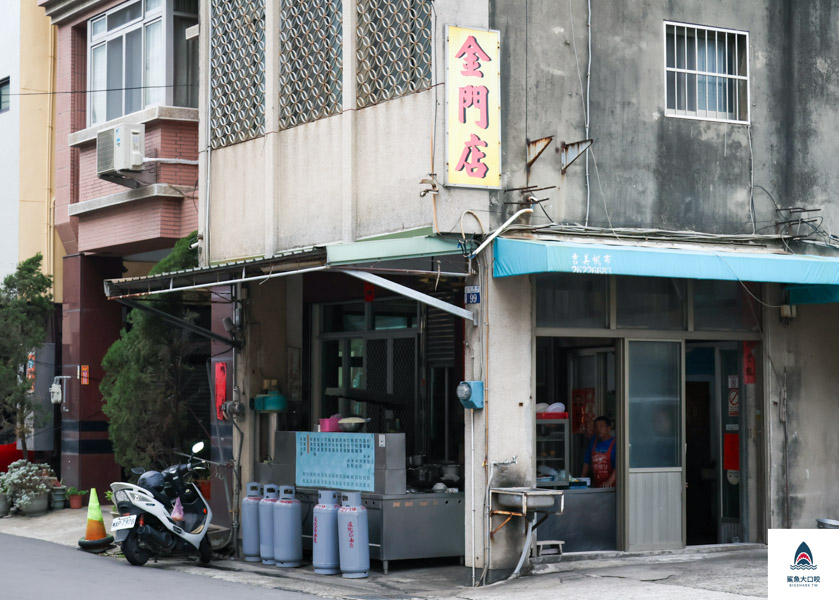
x,y
4,505
57,495
38,506
75,500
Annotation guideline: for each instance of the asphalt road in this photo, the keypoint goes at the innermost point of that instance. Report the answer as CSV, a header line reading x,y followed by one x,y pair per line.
x,y
34,569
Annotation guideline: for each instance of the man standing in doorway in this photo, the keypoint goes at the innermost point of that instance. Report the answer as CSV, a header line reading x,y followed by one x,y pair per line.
x,y
599,458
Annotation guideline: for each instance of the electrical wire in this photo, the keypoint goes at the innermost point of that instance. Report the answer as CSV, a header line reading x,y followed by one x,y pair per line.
x,y
103,90
751,180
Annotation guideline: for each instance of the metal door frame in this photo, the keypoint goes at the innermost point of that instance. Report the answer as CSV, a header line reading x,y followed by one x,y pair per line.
x,y
623,461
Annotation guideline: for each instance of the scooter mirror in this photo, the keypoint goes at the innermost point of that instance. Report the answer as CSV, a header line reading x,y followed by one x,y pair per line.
x,y
198,447
138,470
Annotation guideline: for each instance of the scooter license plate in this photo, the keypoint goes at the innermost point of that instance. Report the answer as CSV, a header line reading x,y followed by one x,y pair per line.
x,y
123,522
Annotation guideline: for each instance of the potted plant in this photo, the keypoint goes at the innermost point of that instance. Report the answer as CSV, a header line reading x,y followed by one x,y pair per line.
x,y
57,495
75,496
26,486
109,496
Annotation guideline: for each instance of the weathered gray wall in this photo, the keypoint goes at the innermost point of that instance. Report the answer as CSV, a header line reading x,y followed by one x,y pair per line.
x,y
802,366
665,172
506,328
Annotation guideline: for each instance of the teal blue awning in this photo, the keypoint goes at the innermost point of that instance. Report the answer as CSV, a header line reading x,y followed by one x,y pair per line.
x,y
813,294
521,257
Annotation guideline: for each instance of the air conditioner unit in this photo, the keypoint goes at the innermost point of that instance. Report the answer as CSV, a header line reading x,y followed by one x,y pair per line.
x,y
120,148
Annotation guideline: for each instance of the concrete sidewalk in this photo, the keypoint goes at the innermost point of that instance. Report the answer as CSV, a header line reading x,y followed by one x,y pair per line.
x,y
698,572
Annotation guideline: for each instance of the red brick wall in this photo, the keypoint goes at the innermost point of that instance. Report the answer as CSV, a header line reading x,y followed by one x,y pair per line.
x,y
135,227
75,168
164,139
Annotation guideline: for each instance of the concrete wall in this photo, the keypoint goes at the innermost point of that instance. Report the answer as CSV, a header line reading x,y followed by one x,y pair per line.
x,y
9,136
801,369
341,178
263,357
663,172
507,370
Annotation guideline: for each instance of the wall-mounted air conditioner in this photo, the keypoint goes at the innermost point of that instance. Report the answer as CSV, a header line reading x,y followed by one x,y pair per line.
x,y
120,148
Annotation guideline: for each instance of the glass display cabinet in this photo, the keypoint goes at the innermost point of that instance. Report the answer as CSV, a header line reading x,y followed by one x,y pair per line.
x,y
552,448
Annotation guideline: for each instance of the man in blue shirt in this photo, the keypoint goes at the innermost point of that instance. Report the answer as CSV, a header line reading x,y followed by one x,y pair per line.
x,y
599,458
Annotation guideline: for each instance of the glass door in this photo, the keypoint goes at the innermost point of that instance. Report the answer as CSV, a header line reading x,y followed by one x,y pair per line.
x,y
655,447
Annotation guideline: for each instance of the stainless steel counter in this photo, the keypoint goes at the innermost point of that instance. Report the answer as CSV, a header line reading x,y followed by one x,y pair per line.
x,y
589,521
404,526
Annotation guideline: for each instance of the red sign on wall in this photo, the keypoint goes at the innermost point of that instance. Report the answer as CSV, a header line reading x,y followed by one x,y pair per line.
x,y
221,388
84,375
731,452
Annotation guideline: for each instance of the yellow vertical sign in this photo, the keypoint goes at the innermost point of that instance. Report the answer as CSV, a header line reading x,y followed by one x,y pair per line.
x,y
473,108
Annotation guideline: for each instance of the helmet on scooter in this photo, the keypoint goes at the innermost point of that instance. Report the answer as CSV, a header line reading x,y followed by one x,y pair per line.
x,y
151,480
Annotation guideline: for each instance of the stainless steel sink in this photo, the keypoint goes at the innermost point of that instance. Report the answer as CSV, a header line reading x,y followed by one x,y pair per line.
x,y
533,499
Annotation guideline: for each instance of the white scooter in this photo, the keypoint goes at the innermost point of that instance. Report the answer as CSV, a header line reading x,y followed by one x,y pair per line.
x,y
145,527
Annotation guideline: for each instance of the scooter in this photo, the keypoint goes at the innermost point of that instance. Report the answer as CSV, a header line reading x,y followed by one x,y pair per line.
x,y
145,528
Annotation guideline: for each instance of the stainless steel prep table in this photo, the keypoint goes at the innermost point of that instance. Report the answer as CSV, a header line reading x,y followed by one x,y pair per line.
x,y
404,526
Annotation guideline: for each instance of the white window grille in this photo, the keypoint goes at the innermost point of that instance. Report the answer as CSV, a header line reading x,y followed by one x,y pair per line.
x,y
706,73
138,56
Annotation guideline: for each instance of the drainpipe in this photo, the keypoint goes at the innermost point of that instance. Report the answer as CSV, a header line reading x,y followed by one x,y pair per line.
x,y
588,110
208,135
49,241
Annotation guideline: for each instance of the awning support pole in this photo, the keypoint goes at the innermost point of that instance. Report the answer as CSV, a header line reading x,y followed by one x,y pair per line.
x,y
415,295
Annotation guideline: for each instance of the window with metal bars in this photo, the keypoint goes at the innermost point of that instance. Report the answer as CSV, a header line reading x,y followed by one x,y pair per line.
x,y
706,73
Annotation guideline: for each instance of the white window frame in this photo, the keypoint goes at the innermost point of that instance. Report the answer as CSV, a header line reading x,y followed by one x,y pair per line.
x,y
7,83
165,14
709,115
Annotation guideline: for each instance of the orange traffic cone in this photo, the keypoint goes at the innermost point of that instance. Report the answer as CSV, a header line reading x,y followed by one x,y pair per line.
x,y
95,522
96,539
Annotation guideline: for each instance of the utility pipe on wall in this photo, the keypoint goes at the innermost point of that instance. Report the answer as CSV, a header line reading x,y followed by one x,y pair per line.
x,y
208,134
49,241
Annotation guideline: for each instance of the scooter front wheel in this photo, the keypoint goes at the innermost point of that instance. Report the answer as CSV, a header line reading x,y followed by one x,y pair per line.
x,y
133,553
205,550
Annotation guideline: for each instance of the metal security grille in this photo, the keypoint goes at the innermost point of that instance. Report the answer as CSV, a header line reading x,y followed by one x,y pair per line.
x,y
394,49
707,73
405,389
237,101
311,60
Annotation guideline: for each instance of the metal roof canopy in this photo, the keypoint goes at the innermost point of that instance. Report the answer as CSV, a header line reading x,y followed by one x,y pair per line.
x,y
359,259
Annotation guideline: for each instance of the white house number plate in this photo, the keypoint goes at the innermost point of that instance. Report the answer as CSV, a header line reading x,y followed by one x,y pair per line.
x,y
123,522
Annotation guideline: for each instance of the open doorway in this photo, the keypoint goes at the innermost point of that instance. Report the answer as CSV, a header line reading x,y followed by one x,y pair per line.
x,y
578,377
713,390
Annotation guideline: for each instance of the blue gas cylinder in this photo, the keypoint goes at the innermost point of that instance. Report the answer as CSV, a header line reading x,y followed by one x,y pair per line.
x,y
250,521
325,534
288,529
266,524
353,537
